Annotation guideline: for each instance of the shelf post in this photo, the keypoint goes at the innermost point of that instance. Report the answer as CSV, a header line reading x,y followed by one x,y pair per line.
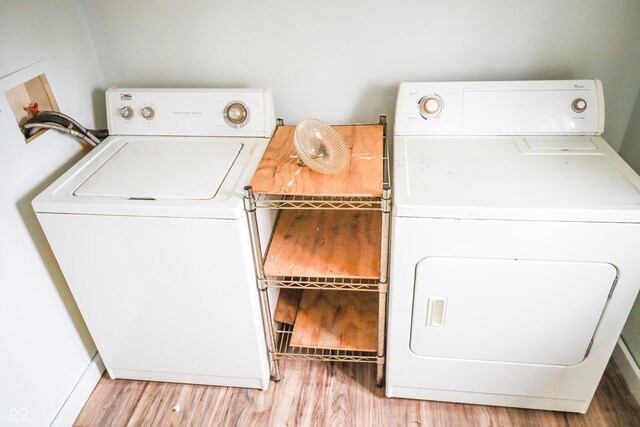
x,y
383,286
265,308
383,121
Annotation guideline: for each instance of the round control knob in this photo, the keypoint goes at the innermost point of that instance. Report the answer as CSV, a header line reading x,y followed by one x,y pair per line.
x,y
579,105
148,113
236,114
126,113
430,106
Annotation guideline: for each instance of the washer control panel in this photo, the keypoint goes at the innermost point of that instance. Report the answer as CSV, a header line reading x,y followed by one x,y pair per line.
x,y
190,112
557,107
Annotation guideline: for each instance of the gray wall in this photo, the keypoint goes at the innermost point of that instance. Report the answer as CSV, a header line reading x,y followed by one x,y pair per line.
x,y
341,61
630,151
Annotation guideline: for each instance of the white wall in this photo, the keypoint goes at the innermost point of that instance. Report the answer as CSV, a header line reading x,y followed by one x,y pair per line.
x,y
341,61
44,344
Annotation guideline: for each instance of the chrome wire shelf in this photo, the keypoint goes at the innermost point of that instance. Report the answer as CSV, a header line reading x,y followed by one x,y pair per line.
x,y
284,350
327,283
278,334
317,202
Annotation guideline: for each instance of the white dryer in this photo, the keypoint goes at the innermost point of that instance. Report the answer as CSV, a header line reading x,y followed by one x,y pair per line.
x,y
150,232
515,242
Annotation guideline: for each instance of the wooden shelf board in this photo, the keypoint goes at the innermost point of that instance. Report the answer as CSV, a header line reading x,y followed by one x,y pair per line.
x,y
287,306
337,320
326,243
280,173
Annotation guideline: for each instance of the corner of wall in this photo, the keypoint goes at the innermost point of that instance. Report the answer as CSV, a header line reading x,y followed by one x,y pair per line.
x,y
630,148
80,394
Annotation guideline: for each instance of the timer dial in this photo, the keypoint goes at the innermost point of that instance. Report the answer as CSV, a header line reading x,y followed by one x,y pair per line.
x,y
579,105
236,114
430,106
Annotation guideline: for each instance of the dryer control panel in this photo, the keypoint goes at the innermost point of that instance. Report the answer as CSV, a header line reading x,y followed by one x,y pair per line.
x,y
558,107
190,112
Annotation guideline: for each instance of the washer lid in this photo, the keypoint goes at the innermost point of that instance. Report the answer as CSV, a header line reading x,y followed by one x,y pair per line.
x,y
149,170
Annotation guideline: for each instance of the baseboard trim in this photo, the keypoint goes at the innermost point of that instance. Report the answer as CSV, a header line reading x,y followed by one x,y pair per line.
x,y
80,393
628,368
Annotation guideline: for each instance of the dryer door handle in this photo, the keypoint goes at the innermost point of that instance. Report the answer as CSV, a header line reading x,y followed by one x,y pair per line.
x,y
436,308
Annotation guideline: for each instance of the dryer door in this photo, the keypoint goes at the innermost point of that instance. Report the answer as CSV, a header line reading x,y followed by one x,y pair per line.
x,y
522,311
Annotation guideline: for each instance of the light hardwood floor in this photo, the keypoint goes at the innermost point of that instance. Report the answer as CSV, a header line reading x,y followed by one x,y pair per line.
x,y
328,394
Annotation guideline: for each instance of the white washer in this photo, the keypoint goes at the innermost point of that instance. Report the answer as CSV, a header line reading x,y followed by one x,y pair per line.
x,y
515,241
150,232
